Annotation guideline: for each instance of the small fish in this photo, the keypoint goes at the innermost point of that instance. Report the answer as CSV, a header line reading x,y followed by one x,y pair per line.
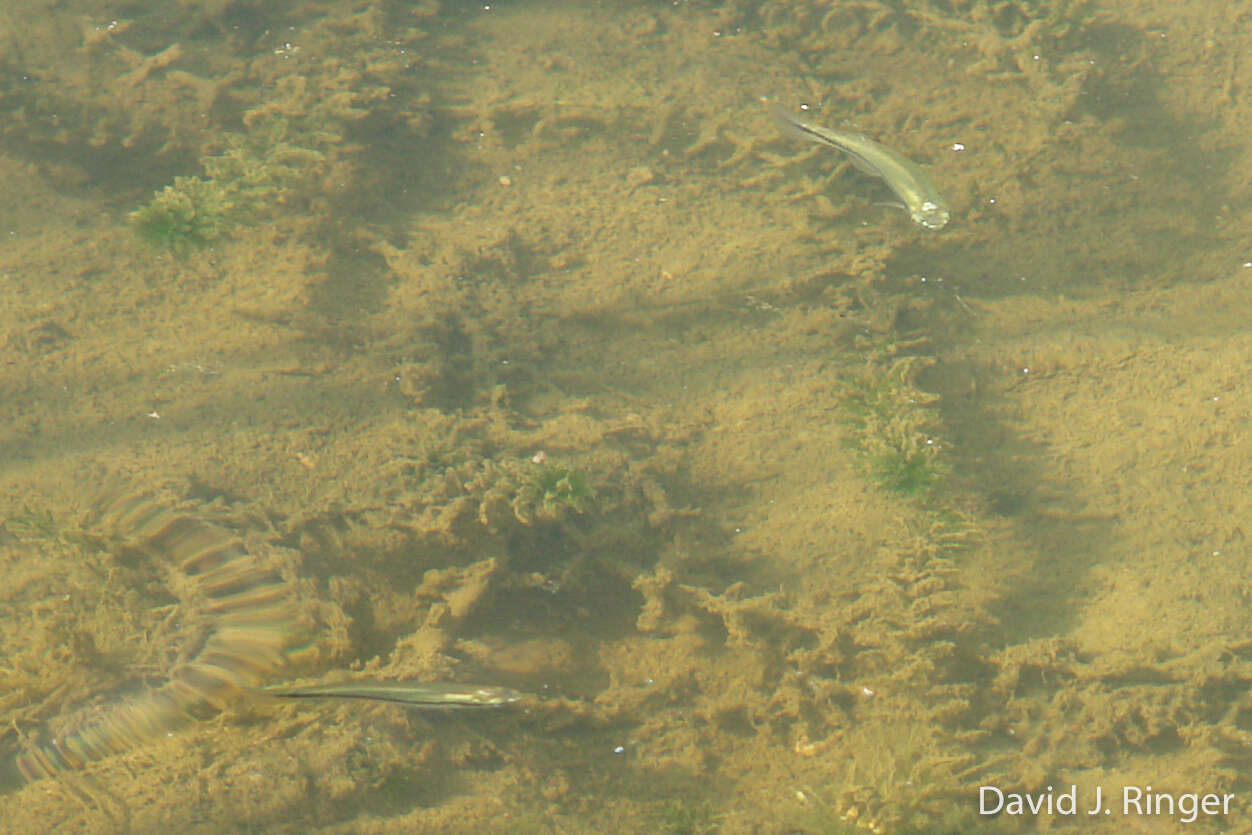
x,y
419,694
903,176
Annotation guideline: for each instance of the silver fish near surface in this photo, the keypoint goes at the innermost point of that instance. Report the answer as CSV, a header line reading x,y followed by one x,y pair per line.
x,y
917,192
418,694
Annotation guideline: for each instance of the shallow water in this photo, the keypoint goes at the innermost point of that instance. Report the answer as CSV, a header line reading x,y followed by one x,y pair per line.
x,y
539,357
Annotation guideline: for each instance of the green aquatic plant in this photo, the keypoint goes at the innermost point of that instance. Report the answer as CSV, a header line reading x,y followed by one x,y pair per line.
x,y
891,427
682,818
190,214
32,523
267,165
907,472
556,488
257,171
950,821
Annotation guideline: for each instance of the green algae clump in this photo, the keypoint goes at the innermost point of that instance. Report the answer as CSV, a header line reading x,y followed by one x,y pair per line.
x,y
556,489
190,214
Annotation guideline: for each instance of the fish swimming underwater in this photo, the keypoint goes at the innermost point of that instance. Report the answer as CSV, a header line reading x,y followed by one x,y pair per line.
x,y
917,192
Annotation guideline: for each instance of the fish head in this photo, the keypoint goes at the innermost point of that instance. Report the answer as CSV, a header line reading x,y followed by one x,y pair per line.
x,y
931,215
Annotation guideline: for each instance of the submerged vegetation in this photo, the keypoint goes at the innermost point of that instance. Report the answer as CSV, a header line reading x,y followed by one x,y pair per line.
x,y
681,817
293,131
32,523
556,489
190,214
261,169
892,428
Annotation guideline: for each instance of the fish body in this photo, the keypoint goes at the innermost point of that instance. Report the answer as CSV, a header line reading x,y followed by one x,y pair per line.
x,y
904,177
421,694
